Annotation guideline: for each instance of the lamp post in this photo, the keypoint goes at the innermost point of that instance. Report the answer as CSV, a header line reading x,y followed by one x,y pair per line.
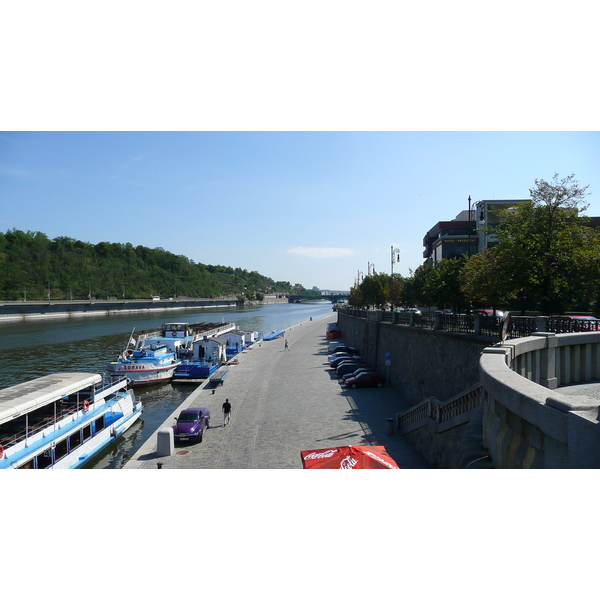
x,y
395,256
469,226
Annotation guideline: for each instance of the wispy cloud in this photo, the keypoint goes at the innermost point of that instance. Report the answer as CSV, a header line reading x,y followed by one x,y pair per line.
x,y
320,252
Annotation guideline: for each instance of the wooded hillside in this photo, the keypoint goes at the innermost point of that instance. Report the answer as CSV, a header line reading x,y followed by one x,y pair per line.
x,y
34,267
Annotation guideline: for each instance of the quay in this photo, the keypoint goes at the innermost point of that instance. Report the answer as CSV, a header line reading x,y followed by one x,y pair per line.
x,y
283,402
36,310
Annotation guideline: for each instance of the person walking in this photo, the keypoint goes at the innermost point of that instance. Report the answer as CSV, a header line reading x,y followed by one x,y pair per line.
x,y
286,345
226,411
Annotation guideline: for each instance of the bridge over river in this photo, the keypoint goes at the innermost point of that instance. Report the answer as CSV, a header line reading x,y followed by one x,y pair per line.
x,y
333,298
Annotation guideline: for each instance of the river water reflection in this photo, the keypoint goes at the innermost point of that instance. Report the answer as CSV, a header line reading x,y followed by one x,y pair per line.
x,y
35,348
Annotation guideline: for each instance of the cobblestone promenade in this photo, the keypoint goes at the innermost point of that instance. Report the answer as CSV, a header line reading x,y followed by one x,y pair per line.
x,y
284,402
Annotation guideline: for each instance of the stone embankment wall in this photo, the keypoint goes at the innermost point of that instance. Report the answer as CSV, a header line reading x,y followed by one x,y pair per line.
x,y
423,363
16,311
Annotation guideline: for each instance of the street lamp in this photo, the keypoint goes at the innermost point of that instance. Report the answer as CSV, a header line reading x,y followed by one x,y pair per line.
x,y
395,255
469,226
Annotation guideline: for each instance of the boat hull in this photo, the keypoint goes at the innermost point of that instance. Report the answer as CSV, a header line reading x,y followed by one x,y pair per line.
x,y
141,375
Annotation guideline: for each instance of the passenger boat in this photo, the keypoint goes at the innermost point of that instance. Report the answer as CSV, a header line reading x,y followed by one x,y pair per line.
x,y
61,421
151,362
146,365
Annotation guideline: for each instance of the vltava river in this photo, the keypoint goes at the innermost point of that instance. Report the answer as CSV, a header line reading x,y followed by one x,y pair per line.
x,y
35,348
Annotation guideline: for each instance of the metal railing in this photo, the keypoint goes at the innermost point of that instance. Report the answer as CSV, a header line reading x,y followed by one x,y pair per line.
x,y
480,325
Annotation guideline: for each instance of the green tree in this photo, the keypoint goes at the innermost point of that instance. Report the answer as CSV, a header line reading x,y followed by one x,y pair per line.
x,y
547,247
373,289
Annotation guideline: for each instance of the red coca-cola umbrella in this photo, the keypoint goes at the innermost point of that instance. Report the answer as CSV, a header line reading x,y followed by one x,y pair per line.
x,y
348,457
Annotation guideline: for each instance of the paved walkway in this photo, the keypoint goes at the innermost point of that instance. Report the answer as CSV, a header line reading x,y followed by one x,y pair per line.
x,y
284,402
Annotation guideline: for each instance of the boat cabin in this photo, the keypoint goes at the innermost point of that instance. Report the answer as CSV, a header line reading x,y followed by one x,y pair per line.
x,y
211,349
176,330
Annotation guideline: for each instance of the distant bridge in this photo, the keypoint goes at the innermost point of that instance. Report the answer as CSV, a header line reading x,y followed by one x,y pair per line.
x,y
333,298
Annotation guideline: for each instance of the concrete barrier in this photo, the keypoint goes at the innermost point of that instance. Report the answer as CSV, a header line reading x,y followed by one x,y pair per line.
x,y
165,442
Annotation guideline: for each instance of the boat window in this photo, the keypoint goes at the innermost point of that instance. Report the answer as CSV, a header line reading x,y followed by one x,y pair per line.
x,y
99,424
75,440
28,465
87,432
44,460
60,450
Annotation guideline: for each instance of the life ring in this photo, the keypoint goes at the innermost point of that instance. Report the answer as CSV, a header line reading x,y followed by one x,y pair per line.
x,y
174,334
86,405
1,450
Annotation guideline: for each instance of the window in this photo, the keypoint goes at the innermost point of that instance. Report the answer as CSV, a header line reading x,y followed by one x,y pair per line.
x,y
74,440
99,425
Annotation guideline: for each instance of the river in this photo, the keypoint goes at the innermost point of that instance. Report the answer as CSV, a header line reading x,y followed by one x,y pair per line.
x,y
34,348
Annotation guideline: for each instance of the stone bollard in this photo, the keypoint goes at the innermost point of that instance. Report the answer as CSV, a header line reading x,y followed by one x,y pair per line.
x,y
389,427
165,444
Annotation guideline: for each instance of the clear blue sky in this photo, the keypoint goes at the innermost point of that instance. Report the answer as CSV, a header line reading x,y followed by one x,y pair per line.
x,y
309,208
265,138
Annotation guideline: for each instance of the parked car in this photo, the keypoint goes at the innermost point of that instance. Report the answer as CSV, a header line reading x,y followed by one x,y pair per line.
x,y
416,311
586,323
366,379
334,361
489,312
347,349
191,424
331,346
349,366
356,373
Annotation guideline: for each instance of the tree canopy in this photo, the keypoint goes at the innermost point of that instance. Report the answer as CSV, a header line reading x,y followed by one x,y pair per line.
x,y
546,253
545,257
34,267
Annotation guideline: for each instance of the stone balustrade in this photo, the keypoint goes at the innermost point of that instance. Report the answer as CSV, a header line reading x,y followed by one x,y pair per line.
x,y
527,422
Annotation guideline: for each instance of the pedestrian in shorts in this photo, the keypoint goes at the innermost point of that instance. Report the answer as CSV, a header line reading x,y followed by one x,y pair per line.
x,y
226,412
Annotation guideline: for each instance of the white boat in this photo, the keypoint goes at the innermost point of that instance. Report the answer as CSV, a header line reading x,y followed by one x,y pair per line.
x,y
151,362
61,421
197,346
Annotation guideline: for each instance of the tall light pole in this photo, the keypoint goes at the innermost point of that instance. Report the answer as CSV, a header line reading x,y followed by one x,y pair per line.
x,y
395,254
469,226
369,265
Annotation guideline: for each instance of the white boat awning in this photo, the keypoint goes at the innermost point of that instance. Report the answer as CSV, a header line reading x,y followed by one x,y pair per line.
x,y
25,397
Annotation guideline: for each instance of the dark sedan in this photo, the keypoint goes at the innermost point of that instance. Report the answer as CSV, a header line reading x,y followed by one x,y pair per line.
x,y
348,366
335,360
191,424
346,349
366,379
361,369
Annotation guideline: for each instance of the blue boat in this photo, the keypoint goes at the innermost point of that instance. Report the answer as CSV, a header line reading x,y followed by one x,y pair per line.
x,y
62,421
190,370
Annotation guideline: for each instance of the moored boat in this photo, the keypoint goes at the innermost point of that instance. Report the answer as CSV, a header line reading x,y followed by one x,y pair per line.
x,y
146,365
62,421
200,347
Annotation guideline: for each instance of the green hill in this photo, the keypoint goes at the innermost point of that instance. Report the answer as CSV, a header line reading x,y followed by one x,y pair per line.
x,y
32,266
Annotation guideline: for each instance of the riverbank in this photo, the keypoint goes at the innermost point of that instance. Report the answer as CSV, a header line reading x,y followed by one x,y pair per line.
x,y
284,401
15,312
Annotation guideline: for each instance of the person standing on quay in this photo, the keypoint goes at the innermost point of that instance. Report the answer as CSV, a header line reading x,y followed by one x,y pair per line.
x,y
286,345
226,411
